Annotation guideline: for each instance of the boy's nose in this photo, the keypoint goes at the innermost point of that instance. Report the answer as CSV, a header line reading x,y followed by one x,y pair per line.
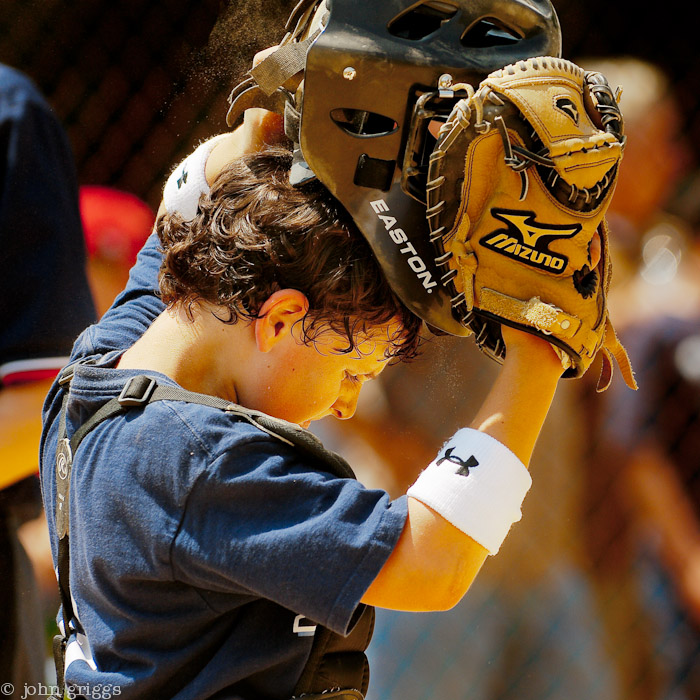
x,y
346,404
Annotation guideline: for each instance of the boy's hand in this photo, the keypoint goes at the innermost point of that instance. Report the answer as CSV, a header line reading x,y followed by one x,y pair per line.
x,y
260,128
531,349
516,407
260,125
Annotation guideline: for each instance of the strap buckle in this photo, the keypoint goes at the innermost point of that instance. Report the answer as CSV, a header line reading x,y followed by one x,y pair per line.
x,y
137,391
65,376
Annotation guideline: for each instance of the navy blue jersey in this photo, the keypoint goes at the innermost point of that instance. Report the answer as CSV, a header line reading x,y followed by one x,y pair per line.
x,y
45,300
203,551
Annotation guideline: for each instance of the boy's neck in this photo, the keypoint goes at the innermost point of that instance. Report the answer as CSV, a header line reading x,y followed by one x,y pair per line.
x,y
200,355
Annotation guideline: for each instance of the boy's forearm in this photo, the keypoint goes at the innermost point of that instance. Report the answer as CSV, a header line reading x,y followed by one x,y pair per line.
x,y
516,407
434,562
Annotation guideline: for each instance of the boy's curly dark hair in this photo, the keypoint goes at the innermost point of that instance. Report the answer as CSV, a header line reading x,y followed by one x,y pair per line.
x,y
255,234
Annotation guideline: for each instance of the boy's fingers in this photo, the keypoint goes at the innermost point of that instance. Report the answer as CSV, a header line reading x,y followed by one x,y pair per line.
x,y
263,127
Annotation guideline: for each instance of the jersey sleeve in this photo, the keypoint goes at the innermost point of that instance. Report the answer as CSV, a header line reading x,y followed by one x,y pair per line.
x,y
133,310
266,524
46,299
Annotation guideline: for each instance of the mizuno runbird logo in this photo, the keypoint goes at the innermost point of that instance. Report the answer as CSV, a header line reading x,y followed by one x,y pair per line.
x,y
567,106
526,240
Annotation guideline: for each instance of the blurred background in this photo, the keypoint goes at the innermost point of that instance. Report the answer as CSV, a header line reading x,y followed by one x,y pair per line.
x,y
596,593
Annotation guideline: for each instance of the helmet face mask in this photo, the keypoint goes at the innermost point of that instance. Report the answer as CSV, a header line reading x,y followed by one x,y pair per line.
x,y
375,76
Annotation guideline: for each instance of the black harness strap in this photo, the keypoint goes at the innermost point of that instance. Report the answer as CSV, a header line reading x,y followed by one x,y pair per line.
x,y
337,667
339,662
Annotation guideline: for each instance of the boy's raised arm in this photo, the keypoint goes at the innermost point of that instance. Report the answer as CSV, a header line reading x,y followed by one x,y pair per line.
x,y
138,305
434,562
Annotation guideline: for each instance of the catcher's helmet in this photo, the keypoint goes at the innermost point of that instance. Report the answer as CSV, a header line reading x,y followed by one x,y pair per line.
x,y
375,74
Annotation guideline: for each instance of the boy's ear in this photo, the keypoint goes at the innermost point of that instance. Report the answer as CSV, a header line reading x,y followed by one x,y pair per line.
x,y
278,314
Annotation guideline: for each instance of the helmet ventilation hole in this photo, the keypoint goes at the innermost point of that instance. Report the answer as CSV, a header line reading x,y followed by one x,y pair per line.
x,y
489,32
358,122
374,173
421,20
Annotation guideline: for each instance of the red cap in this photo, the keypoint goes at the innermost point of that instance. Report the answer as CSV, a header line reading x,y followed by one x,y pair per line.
x,y
116,224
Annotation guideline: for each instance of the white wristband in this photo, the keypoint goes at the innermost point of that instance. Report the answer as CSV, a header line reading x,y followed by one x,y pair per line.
x,y
477,484
188,182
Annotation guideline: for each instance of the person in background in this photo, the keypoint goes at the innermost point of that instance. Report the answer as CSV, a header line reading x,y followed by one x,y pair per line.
x,y
643,502
115,225
45,302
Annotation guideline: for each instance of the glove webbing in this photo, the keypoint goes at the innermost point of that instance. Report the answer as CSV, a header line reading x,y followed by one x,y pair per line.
x,y
278,67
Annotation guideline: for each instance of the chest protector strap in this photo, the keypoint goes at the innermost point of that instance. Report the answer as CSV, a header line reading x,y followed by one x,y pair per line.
x,y
337,668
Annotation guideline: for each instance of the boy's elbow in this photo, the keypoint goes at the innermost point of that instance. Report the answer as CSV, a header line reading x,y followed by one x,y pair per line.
x,y
439,598
422,592
447,590
451,562
431,568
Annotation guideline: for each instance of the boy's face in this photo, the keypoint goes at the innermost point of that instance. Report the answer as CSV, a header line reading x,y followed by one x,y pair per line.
x,y
315,380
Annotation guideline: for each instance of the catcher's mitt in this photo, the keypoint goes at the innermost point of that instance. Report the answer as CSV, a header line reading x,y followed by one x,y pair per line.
x,y
518,184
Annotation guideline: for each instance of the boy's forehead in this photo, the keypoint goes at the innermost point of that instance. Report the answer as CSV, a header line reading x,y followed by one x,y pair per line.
x,y
378,344
370,340
373,347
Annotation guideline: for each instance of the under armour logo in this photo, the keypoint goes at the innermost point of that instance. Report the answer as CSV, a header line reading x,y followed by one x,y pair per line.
x,y
182,179
464,465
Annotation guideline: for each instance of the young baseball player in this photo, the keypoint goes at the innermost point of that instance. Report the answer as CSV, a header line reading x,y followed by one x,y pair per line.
x,y
206,552
207,545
